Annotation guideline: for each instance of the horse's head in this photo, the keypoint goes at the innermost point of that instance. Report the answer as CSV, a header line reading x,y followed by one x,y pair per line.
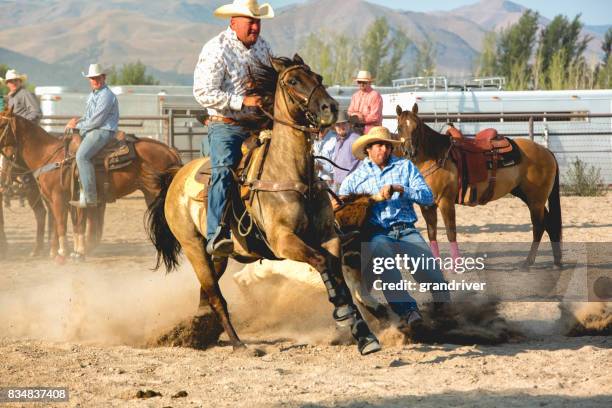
x,y
305,98
409,126
8,134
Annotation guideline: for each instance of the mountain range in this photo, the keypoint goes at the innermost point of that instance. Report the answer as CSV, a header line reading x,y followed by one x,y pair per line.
x,y
54,40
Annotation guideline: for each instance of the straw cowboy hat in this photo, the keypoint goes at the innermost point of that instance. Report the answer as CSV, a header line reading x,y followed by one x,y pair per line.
x,y
94,71
245,8
13,74
364,76
376,134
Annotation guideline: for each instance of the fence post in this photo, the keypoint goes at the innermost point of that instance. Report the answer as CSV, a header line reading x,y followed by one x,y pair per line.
x,y
171,128
531,128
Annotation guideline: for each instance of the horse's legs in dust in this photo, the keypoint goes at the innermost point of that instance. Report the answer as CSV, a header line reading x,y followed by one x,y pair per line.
x,y
210,291
447,208
430,214
37,204
59,244
538,214
287,245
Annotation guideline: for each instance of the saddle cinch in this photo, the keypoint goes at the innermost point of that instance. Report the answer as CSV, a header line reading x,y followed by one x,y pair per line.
x,y
474,158
115,155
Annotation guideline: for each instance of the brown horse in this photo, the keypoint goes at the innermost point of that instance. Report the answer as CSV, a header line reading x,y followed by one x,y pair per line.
x,y
35,201
33,149
535,180
289,208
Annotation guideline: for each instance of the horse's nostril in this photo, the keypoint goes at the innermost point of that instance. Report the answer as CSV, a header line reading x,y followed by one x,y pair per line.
x,y
325,107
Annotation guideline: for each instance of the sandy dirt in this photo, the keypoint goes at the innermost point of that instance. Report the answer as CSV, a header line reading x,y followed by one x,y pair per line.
x,y
87,326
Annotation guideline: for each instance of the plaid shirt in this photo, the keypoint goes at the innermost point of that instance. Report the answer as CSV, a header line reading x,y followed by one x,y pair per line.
x,y
369,178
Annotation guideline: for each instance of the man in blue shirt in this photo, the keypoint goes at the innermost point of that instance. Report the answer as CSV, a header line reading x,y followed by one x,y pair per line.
x,y
97,127
391,228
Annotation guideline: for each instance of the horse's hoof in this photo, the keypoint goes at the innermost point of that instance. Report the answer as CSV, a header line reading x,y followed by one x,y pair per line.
x,y
76,257
344,316
60,259
35,254
368,345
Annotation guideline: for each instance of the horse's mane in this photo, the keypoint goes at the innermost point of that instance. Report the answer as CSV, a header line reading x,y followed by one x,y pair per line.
x,y
262,81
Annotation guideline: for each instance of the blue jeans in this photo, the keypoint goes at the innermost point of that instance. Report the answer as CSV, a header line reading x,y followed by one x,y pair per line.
x,y
225,142
387,243
93,141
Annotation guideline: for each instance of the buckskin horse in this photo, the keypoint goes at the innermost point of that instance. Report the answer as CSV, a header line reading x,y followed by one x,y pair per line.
x,y
288,209
532,176
33,151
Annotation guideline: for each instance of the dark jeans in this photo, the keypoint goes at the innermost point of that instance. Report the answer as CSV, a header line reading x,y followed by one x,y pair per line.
x,y
405,240
224,144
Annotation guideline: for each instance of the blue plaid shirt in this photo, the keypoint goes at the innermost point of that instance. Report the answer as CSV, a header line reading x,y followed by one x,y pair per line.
x,y
369,178
101,112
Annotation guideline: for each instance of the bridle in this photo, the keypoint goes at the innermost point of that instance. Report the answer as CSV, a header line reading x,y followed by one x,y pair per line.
x,y
412,153
302,101
12,160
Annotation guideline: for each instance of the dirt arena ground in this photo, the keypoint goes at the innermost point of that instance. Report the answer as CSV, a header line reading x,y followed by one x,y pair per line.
x,y
87,326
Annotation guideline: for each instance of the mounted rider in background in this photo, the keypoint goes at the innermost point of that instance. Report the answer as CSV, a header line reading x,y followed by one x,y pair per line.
x,y
97,127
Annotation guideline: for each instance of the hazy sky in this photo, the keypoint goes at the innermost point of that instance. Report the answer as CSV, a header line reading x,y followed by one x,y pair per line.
x,y
594,12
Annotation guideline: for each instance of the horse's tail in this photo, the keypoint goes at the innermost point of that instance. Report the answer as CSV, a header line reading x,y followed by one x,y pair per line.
x,y
554,224
167,246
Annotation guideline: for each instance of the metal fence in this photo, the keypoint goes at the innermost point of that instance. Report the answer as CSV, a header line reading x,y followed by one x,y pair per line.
x,y
568,135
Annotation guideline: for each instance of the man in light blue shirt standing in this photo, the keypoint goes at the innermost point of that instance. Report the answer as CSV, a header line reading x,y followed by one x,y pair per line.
x,y
391,228
97,127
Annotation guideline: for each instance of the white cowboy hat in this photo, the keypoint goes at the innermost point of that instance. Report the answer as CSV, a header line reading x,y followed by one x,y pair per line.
x,y
376,134
245,8
94,71
364,76
13,74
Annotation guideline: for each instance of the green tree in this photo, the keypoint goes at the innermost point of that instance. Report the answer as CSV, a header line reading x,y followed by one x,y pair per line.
x,y
561,34
382,50
3,88
487,61
603,71
131,74
425,61
335,60
514,48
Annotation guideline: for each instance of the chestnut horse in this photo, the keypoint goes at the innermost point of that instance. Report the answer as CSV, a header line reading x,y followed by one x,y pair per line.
x,y
535,180
32,149
290,209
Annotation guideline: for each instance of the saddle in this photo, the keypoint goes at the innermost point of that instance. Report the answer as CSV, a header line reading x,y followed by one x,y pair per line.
x,y
247,177
115,155
477,161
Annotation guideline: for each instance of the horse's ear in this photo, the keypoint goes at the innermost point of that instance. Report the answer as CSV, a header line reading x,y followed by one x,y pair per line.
x,y
277,64
398,110
9,111
415,108
298,60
